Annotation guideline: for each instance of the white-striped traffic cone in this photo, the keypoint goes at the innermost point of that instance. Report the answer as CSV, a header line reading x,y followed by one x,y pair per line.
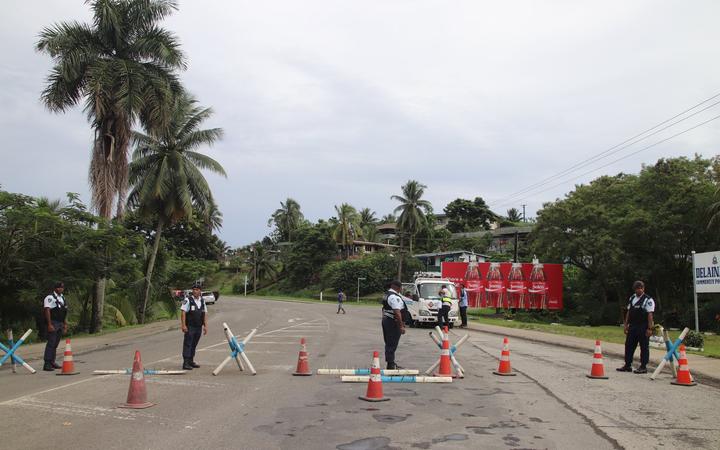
x,y
598,368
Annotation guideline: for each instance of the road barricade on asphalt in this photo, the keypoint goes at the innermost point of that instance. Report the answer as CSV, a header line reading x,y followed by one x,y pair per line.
x,y
396,379
68,365
137,394
671,353
374,382
303,365
10,352
597,371
504,368
145,372
683,373
452,349
237,351
360,372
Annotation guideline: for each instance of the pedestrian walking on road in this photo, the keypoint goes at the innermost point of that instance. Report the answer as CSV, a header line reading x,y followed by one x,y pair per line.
x,y
638,328
193,322
55,314
392,322
341,299
463,304
446,303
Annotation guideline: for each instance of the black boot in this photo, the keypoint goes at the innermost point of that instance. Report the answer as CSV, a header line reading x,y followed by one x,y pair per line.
x,y
194,364
187,365
48,367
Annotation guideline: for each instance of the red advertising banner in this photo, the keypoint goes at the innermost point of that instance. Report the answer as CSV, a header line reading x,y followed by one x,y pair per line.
x,y
508,285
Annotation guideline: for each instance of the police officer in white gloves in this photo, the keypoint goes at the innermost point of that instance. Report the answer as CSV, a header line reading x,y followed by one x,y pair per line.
x,y
55,315
193,322
638,328
392,322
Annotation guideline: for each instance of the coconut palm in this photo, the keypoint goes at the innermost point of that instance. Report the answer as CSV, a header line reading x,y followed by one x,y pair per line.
x,y
347,228
513,215
165,173
262,266
412,210
121,66
368,223
287,219
714,210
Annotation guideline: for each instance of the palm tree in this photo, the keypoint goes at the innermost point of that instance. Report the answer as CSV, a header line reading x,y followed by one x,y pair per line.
x,y
513,215
262,267
122,67
412,210
348,227
388,218
165,173
368,224
287,219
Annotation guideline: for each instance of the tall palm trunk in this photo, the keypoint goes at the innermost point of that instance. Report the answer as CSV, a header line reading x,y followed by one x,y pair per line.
x,y
400,253
150,267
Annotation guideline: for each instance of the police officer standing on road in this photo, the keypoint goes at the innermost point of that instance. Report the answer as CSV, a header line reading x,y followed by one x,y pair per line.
x,y
463,304
193,321
444,312
55,314
638,328
392,322
341,298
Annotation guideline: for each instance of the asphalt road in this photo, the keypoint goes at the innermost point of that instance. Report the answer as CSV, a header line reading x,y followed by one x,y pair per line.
x,y
550,404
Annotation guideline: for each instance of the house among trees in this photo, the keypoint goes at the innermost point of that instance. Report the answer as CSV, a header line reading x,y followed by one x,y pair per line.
x,y
432,261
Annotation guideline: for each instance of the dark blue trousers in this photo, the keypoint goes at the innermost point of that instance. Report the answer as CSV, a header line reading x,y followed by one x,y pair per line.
x,y
53,339
636,335
190,342
391,334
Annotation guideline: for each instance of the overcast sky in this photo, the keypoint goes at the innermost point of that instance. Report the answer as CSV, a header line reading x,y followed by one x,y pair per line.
x,y
344,101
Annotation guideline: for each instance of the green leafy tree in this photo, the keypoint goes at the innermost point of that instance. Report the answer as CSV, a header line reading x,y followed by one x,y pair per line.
x,y
413,209
165,173
287,219
368,224
262,267
313,247
122,66
465,215
621,228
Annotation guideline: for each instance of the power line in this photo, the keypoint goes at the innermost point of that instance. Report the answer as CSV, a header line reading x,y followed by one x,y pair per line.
x,y
614,149
623,157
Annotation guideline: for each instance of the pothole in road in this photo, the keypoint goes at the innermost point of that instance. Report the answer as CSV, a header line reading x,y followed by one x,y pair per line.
x,y
388,418
372,443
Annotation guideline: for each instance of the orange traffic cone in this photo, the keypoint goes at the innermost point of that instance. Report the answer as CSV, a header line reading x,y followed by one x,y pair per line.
x,y
137,395
303,367
504,368
683,374
374,387
598,369
68,367
445,369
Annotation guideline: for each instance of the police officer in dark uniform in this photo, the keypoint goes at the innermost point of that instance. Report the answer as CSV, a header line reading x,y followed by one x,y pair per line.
x,y
193,321
55,315
392,322
446,304
638,328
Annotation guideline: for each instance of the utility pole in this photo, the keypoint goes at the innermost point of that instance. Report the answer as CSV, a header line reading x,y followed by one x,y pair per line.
x,y
252,249
524,220
517,235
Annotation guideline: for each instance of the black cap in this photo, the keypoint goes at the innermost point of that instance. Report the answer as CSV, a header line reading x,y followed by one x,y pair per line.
x,y
59,285
196,285
638,285
395,283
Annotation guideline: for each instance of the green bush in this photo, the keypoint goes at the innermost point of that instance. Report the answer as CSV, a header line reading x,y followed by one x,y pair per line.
x,y
694,339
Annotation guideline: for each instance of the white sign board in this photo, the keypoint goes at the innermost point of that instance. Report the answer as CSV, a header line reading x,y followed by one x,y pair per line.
x,y
707,272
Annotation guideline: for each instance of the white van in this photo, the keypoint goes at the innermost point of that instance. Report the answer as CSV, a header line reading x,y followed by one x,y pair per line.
x,y
425,293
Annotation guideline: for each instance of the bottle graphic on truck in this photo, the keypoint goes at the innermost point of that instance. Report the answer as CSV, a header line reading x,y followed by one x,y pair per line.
x,y
538,287
516,287
474,285
494,288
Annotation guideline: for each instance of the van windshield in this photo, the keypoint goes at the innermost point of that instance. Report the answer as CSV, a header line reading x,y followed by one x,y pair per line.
x,y
431,290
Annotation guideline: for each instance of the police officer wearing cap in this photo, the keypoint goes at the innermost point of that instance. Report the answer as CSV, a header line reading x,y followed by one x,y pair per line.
x,y
638,328
193,322
446,304
55,315
392,322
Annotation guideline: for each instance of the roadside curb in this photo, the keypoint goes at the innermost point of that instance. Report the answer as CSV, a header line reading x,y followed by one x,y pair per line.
x,y
703,376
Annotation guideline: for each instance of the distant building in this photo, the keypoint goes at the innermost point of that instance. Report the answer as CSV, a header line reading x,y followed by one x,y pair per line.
x,y
432,261
503,239
386,231
370,247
